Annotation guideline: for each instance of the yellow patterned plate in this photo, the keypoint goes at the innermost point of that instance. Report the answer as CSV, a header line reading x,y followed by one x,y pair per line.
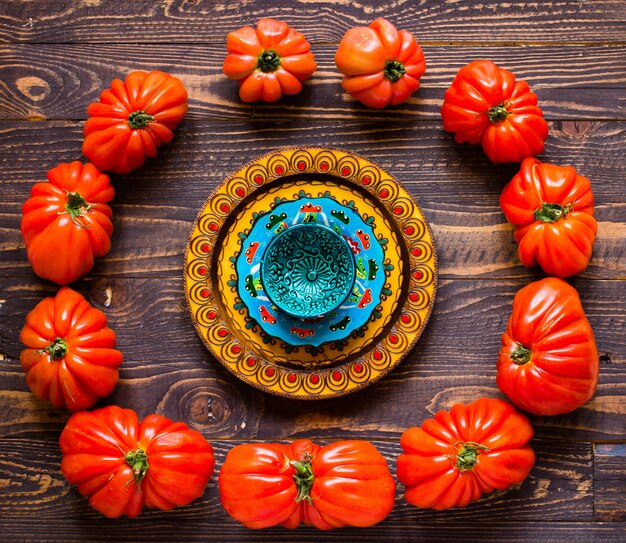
x,y
236,339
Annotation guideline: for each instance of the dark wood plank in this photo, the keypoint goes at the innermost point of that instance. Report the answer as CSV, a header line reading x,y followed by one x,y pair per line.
x,y
168,370
58,81
323,21
168,528
559,488
457,187
609,482
420,154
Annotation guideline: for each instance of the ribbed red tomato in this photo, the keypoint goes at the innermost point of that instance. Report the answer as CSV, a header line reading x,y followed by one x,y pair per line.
x,y
66,222
552,210
381,65
269,61
123,464
70,359
456,457
133,119
346,483
548,364
485,104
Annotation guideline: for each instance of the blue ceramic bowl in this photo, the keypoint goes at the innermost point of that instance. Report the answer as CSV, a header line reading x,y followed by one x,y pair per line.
x,y
308,270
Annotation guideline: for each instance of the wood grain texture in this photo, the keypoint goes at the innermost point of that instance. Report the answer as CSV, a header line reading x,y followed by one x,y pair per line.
x,y
58,81
142,21
456,186
169,528
168,370
609,474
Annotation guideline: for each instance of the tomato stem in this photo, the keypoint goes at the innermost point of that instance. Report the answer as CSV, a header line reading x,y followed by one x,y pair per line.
x,y
139,119
269,61
77,206
57,349
521,355
138,461
497,113
467,454
394,70
304,478
552,212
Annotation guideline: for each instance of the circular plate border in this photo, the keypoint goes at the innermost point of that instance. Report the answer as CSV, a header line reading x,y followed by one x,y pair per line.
x,y
316,383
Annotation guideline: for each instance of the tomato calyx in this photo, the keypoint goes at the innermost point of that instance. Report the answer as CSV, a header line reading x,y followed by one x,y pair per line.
x,y
269,61
552,212
138,461
521,355
303,477
56,350
394,70
497,113
467,453
139,119
77,206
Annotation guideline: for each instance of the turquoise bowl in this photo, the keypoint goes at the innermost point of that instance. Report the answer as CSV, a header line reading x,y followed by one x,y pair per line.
x,y
308,270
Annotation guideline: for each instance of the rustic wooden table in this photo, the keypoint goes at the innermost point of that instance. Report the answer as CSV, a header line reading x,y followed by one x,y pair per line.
x,y
55,58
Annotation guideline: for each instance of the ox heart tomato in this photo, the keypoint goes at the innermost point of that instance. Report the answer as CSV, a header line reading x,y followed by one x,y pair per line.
x,y
133,119
486,104
552,210
548,363
66,222
346,483
69,359
124,465
381,65
269,61
457,456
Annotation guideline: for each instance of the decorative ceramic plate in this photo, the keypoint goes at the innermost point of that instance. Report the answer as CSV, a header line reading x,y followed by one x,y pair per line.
x,y
366,293
229,319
